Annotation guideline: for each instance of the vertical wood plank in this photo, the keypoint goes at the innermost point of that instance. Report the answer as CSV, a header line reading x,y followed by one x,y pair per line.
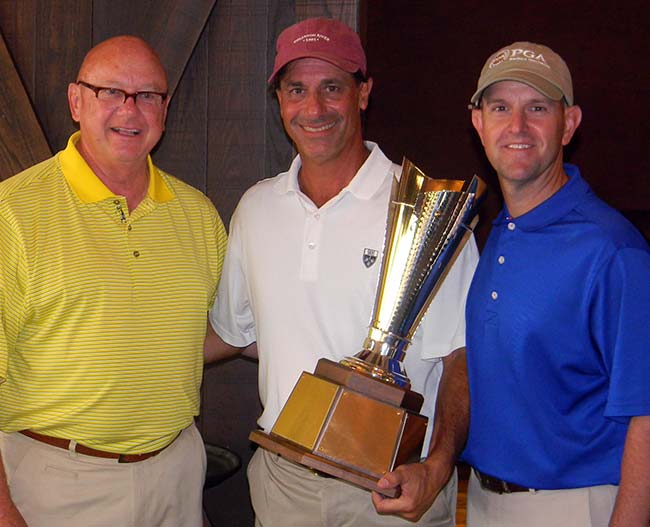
x,y
279,150
183,149
236,116
17,20
22,142
62,37
344,10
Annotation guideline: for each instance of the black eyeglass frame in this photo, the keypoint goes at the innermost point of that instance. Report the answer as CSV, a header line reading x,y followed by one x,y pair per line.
x,y
97,89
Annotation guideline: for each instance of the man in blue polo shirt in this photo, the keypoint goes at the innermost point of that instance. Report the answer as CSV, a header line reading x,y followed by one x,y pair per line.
x,y
557,367
557,321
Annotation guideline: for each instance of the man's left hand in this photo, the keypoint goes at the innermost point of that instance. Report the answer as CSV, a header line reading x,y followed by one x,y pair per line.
x,y
419,487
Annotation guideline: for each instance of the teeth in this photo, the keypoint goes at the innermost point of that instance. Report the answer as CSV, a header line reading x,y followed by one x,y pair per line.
x,y
519,146
126,131
319,128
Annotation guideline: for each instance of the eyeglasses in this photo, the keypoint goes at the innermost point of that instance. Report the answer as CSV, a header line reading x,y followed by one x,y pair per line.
x,y
117,97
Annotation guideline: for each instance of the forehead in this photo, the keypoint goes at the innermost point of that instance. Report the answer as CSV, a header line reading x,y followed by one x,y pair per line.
x,y
503,90
124,63
301,70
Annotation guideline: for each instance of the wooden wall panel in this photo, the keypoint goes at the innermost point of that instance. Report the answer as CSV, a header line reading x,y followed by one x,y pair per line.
x,y
172,27
236,118
22,142
345,10
183,148
278,148
63,29
18,27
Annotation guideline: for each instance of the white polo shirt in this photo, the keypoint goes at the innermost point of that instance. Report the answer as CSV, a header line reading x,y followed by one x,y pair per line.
x,y
295,281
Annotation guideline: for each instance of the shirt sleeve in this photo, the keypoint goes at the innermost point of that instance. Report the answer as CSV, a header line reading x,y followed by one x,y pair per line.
x,y
221,238
231,315
12,285
620,325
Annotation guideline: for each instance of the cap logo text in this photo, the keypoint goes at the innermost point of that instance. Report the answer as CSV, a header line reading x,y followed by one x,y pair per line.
x,y
311,37
519,54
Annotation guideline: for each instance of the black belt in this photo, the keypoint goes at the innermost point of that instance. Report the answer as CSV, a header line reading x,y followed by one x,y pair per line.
x,y
497,485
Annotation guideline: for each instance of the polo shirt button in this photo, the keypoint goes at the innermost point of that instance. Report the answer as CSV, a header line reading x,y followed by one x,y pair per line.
x,y
317,216
311,245
501,259
129,227
511,226
136,253
494,295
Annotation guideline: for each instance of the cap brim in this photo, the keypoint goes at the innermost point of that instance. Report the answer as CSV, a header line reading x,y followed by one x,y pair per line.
x,y
536,82
345,65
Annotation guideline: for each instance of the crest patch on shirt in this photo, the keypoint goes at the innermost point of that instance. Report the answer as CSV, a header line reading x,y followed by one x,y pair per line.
x,y
369,257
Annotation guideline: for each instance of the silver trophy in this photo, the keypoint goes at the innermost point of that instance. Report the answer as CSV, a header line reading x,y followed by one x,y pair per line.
x,y
358,419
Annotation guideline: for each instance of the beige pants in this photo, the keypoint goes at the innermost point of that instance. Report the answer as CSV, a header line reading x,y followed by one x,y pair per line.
x,y
288,495
55,488
584,507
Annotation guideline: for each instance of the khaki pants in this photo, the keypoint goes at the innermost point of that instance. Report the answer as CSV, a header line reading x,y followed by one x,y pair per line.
x,y
285,494
55,488
584,507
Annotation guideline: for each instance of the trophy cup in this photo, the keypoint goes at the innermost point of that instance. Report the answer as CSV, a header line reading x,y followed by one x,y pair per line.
x,y
358,419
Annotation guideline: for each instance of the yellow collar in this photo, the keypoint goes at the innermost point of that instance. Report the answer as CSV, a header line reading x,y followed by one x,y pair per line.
x,y
89,188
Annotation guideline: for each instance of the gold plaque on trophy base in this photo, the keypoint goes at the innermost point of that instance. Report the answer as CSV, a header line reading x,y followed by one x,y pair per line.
x,y
348,425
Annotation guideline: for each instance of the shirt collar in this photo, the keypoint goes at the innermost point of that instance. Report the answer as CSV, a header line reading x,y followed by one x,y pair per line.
x,y
90,189
364,185
555,207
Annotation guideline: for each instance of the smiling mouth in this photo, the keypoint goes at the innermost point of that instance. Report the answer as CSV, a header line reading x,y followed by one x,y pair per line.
x,y
519,146
126,131
321,128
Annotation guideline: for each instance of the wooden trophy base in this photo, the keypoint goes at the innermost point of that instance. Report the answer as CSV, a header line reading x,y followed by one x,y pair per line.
x,y
347,424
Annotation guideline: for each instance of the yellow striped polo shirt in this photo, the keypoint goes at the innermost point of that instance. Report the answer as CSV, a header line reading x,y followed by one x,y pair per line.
x,y
103,313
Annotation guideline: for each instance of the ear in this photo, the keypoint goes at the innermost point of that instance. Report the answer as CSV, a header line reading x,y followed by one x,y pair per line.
x,y
572,119
477,122
74,101
364,93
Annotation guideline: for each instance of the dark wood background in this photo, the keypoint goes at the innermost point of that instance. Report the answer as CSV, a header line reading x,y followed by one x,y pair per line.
x,y
426,59
224,133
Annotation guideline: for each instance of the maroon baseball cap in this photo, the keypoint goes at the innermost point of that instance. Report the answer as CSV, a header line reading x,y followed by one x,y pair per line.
x,y
320,38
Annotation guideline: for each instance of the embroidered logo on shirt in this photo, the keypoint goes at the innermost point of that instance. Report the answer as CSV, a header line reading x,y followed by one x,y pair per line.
x,y
369,257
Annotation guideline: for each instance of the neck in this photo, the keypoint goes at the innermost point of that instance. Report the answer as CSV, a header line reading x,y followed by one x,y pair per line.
x,y
522,197
321,181
122,179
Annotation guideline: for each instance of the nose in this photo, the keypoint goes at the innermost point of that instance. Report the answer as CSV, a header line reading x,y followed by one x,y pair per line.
x,y
313,104
129,103
518,122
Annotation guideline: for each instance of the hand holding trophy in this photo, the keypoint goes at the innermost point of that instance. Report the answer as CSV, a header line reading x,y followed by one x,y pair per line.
x,y
358,419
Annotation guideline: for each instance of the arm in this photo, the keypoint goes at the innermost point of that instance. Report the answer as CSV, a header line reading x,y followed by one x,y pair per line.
x,y
421,482
632,506
215,348
9,515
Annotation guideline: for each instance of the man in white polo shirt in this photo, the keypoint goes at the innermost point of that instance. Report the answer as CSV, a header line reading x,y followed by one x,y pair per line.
x,y
302,267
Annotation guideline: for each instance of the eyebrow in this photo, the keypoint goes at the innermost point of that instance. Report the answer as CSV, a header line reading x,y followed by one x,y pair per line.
x,y
540,100
323,82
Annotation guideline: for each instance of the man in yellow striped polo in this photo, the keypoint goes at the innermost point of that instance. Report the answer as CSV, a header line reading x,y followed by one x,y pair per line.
x,y
108,266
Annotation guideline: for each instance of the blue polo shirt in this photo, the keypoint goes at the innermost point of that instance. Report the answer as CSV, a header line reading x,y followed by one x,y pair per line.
x,y
558,333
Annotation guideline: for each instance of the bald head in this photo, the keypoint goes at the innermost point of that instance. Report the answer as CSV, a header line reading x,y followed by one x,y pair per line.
x,y
125,53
